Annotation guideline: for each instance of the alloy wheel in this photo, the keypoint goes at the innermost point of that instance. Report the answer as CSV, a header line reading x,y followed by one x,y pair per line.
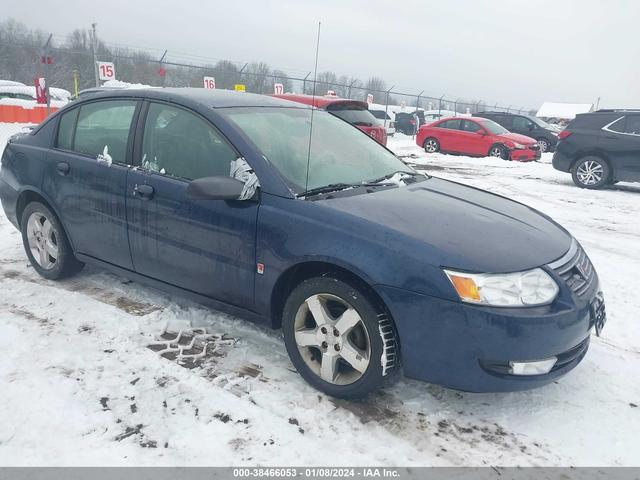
x,y
495,152
43,241
431,146
544,145
332,339
590,172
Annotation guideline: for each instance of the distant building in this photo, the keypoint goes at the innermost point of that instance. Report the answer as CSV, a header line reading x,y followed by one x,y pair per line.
x,y
563,111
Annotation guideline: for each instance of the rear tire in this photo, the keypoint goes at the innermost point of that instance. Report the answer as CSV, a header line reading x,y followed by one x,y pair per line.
x,y
591,172
431,145
340,341
46,243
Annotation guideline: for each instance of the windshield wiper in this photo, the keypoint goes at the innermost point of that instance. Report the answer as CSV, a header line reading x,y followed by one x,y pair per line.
x,y
335,187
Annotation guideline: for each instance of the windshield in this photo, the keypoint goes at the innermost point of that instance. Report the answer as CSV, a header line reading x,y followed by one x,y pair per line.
x,y
493,127
339,152
359,116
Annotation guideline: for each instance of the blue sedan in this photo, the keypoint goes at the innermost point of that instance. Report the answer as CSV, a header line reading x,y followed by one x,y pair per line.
x,y
291,217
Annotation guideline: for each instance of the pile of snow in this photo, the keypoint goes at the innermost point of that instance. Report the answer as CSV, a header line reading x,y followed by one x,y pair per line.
x,y
567,111
120,84
25,96
7,83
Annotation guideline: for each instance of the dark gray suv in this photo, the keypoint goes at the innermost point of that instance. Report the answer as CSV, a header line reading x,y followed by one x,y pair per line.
x,y
545,134
601,148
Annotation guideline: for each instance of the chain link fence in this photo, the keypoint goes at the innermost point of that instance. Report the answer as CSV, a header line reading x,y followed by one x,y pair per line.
x,y
73,68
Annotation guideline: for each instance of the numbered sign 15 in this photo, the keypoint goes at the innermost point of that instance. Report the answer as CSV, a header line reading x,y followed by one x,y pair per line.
x,y
210,83
278,88
106,71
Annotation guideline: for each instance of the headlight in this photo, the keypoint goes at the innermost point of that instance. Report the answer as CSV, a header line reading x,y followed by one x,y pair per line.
x,y
521,289
518,146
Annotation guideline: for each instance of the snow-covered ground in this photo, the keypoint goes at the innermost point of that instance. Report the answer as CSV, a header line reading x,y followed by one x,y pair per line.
x,y
78,385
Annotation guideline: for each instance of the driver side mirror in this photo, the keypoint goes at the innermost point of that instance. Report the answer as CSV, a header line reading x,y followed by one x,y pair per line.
x,y
220,187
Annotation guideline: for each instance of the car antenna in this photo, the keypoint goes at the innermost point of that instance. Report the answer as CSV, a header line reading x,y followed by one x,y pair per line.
x,y
313,107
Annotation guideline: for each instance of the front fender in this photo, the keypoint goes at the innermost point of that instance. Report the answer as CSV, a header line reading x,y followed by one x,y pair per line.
x,y
291,232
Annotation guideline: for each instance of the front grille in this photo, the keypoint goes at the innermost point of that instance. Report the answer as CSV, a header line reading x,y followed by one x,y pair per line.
x,y
575,269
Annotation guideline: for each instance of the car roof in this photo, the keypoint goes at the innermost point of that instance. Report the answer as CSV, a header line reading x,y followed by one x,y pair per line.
x,y
211,98
320,101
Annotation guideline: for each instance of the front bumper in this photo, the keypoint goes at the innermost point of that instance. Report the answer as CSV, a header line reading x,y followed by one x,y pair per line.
x,y
525,155
469,347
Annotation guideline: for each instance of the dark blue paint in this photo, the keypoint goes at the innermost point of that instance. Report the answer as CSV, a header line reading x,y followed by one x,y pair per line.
x,y
394,239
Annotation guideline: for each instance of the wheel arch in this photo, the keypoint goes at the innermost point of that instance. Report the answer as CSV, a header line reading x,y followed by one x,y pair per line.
x,y
296,274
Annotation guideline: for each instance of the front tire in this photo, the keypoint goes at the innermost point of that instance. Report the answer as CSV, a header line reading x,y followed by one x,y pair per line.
x,y
498,151
591,172
46,243
544,144
431,145
340,342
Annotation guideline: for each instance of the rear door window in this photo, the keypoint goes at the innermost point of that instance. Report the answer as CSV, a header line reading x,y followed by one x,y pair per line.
x,y
102,124
633,125
354,115
451,124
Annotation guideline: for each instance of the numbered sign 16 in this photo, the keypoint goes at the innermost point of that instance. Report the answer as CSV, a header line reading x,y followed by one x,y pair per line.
x,y
210,83
278,88
106,71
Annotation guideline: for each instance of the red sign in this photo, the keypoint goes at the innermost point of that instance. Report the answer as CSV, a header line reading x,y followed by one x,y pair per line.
x,y
162,71
278,88
46,59
41,90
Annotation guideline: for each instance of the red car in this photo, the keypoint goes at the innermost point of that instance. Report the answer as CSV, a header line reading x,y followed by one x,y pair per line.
x,y
353,111
478,137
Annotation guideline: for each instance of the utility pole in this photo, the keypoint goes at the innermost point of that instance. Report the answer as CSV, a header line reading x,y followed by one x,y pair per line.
x,y
93,51
162,70
47,60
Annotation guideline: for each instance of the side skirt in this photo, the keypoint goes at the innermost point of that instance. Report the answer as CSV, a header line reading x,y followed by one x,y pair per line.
x,y
172,289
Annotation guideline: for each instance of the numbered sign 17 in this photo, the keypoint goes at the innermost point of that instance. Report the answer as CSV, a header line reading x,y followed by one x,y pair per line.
x,y
106,71
278,88
209,83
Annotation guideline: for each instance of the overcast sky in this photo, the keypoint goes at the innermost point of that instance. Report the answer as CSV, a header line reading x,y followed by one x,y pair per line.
x,y
506,51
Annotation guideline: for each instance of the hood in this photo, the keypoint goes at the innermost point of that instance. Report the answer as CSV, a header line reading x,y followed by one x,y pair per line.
x,y
458,226
516,137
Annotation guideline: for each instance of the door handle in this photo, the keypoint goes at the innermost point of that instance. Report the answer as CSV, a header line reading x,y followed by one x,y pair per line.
x,y
143,192
63,168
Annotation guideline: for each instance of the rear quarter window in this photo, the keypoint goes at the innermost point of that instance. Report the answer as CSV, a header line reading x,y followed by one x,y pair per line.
x,y
66,128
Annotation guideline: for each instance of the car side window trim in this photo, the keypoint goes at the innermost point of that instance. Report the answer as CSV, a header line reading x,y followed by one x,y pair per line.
x,y
134,119
142,124
608,128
